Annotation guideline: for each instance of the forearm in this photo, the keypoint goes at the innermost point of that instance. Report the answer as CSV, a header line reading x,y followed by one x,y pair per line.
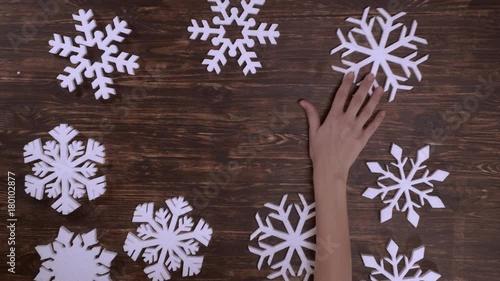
x,y
333,256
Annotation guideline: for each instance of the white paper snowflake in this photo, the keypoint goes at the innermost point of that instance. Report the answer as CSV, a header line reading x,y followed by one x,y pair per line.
x,y
293,240
76,258
249,33
404,185
64,169
111,59
379,52
166,239
395,270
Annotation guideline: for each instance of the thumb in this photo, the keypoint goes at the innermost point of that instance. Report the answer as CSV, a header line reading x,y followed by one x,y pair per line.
x,y
312,117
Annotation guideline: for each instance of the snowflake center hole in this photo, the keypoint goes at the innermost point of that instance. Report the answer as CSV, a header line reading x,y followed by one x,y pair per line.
x,y
94,54
234,32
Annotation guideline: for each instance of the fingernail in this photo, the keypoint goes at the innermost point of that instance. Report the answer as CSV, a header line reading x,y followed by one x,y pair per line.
x,y
370,77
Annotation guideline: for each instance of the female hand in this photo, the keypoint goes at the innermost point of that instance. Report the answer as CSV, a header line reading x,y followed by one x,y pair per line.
x,y
335,144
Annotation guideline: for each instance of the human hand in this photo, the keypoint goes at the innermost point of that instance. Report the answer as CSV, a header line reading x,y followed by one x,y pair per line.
x,y
335,144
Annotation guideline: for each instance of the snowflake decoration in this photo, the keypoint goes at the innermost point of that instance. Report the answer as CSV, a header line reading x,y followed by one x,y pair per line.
x,y
110,59
398,271
249,34
167,239
76,258
294,240
405,185
64,169
379,51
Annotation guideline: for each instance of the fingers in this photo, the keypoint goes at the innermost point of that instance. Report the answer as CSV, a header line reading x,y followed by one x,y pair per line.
x,y
372,128
342,93
312,117
360,95
368,110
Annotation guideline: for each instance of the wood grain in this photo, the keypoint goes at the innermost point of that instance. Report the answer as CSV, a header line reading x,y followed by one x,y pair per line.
x,y
173,124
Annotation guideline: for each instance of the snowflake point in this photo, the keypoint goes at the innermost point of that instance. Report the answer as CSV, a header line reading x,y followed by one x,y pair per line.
x,y
398,266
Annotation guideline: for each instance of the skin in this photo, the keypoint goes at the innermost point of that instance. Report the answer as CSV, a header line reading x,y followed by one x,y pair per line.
x,y
333,148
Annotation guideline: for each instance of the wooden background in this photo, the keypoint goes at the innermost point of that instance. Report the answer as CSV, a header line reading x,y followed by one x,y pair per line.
x,y
173,123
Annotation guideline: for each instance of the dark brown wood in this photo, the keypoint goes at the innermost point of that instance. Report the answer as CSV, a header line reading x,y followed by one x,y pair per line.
x,y
190,123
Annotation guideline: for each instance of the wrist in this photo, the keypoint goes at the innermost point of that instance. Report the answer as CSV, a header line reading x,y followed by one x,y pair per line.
x,y
329,181
329,173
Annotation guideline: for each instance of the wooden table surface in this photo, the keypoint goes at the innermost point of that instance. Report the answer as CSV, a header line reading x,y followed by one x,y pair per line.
x,y
174,124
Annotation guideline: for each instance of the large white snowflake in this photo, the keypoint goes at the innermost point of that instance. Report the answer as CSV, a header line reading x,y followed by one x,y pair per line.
x,y
379,52
76,258
110,59
405,185
396,270
64,169
249,33
293,240
166,239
